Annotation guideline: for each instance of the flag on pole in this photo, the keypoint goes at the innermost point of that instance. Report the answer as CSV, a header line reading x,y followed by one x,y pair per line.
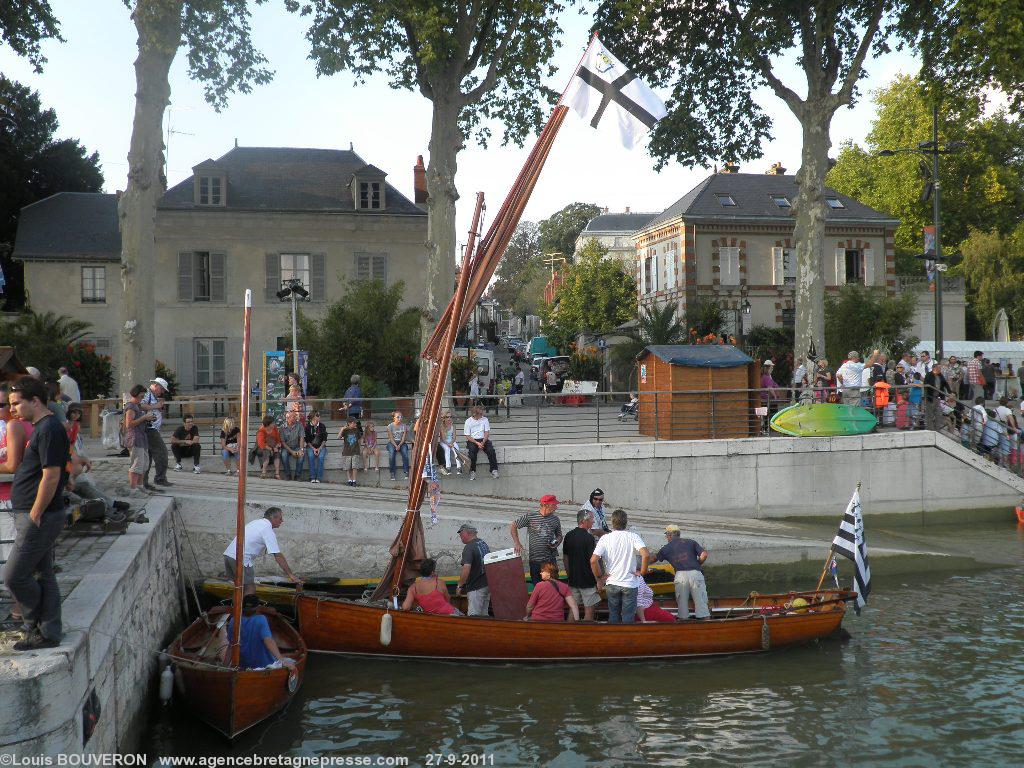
x,y
833,568
434,488
602,84
849,542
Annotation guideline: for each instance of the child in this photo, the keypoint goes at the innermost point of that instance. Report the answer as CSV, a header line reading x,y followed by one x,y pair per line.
x,y
349,437
229,446
370,447
135,422
914,400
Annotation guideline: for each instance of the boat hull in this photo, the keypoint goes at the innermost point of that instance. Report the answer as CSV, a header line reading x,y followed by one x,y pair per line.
x,y
231,700
823,420
333,625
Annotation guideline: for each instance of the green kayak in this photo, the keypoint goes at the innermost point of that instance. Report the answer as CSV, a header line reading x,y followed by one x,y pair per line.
x,y
823,420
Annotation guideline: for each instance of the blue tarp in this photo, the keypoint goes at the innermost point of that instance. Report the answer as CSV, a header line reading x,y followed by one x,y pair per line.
x,y
699,355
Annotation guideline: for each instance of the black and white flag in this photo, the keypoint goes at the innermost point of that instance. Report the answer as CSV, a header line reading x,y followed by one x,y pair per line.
x,y
603,90
849,542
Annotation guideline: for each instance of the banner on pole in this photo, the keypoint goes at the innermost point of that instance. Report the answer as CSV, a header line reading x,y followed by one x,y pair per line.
x,y
275,384
304,372
929,247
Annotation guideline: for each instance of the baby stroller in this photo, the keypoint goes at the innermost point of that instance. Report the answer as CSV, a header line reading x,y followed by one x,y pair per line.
x,y
629,410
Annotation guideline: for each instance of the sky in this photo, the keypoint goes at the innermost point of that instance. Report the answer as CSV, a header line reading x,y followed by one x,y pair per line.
x,y
89,81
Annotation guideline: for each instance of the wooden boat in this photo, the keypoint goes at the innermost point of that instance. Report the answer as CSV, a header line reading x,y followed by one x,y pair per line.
x,y
212,684
738,625
375,627
823,420
229,699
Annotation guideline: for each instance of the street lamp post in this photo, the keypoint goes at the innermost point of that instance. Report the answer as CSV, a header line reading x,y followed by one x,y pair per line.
x,y
929,152
292,290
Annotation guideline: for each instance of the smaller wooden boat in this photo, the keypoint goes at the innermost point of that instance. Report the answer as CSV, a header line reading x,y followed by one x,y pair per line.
x,y
823,420
208,671
232,700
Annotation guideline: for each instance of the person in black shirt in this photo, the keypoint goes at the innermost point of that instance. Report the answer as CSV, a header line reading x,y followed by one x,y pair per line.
x,y
185,442
686,556
473,578
935,387
37,501
577,547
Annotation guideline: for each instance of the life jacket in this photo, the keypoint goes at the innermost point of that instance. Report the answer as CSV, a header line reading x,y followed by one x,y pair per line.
x,y
881,394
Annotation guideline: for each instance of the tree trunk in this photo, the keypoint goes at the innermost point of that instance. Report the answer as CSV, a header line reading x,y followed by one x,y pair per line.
x,y
445,143
158,23
809,233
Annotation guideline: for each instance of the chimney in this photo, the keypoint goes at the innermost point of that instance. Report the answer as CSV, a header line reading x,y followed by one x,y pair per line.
x,y
776,170
419,182
731,167
627,209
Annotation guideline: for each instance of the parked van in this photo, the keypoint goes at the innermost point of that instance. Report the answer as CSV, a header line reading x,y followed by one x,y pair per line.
x,y
539,345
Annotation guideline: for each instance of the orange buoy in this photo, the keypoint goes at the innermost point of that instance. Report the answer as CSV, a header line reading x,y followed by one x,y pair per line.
x,y
1020,514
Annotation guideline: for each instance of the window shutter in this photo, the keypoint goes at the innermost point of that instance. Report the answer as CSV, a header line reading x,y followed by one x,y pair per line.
x,y
362,266
218,277
840,266
273,262
728,266
641,265
233,364
778,266
670,269
317,278
184,277
183,364
380,268
868,259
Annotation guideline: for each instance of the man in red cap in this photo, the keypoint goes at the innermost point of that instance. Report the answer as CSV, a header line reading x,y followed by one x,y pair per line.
x,y
545,535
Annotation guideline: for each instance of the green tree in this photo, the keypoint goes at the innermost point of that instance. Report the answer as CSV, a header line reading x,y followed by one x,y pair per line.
x,y
595,297
704,317
982,184
993,265
365,332
473,60
654,325
517,265
221,55
559,232
25,24
43,340
859,318
33,165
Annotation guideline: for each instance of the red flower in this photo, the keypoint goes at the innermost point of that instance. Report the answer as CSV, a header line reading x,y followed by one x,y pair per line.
x,y
78,363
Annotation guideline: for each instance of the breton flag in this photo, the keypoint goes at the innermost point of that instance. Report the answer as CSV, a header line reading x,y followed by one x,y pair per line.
x,y
604,89
849,542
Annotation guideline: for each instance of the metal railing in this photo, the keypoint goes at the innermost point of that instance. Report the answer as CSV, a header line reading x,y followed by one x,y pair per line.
x,y
923,283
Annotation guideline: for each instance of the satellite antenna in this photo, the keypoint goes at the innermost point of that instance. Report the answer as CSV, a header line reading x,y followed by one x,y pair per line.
x,y
167,140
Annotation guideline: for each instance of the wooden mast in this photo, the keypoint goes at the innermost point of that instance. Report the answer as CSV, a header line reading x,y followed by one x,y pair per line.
x,y
477,270
243,426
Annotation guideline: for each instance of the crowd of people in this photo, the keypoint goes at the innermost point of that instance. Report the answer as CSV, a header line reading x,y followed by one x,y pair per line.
x,y
599,554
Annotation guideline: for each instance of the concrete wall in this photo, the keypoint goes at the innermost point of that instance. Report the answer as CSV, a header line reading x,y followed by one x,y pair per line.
x,y
245,238
901,473
115,620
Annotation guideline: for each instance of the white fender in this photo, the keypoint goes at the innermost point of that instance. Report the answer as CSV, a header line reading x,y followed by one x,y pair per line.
x,y
386,623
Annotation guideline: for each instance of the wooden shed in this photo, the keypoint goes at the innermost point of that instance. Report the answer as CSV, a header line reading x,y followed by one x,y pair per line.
x,y
697,392
11,368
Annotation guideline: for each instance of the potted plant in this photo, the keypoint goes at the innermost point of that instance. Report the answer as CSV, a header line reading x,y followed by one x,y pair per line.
x,y
461,368
585,365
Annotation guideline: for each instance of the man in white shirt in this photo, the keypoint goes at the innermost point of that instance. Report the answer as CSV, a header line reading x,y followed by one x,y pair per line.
x,y
616,555
259,538
68,386
848,378
478,438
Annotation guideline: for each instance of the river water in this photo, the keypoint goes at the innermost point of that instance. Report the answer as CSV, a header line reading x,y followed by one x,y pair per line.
x,y
932,673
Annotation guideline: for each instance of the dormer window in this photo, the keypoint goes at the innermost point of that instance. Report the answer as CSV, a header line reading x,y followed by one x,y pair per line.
x,y
834,203
782,201
371,195
725,199
210,190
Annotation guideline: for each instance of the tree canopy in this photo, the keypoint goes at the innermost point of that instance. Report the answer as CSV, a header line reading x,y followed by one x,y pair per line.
x,y
982,183
861,319
595,297
25,24
558,232
380,342
993,265
33,165
521,275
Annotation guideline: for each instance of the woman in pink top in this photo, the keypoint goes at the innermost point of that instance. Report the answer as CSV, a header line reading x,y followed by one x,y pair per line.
x,y
14,435
549,598
429,593
646,607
